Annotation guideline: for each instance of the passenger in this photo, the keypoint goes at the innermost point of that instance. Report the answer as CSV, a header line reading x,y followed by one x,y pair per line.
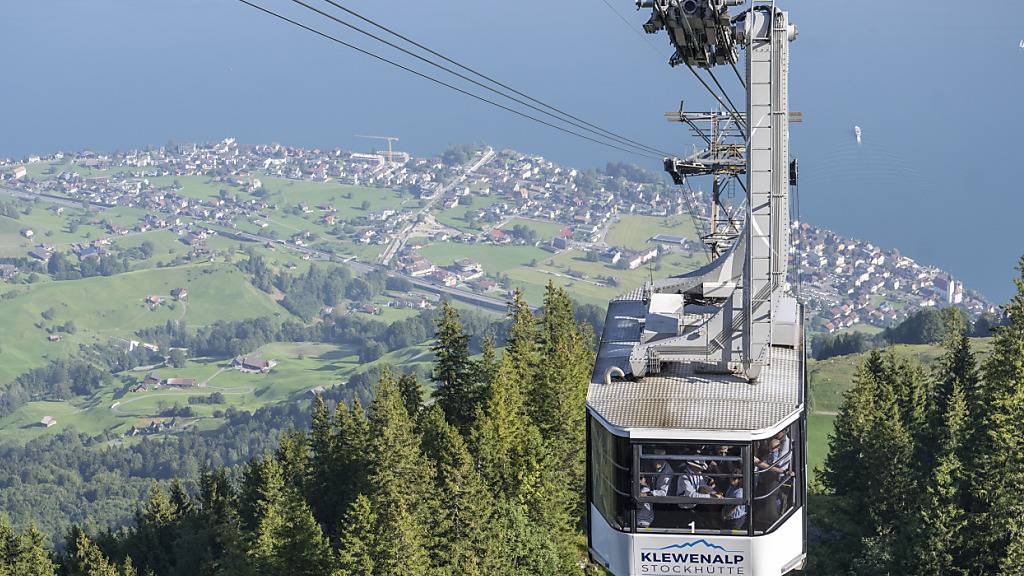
x,y
645,512
662,473
734,517
655,481
717,467
774,468
693,484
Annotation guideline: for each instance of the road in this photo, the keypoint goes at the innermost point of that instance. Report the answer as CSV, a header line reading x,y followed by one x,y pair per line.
x,y
362,268
396,245
48,198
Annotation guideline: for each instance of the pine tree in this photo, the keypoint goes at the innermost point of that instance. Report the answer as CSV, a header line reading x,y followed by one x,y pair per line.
x,y
464,507
559,392
286,539
955,369
156,532
84,558
937,526
321,492
521,347
357,545
219,544
994,466
886,461
486,370
350,455
519,470
412,394
842,474
24,554
456,388
399,484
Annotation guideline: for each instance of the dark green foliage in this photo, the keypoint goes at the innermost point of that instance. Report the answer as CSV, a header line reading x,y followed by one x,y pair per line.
x,y
400,491
830,345
23,554
923,474
926,326
456,389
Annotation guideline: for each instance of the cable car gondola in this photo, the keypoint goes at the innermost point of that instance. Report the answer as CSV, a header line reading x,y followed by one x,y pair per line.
x,y
696,423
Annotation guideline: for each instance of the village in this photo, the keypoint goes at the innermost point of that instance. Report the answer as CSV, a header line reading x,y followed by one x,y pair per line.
x,y
468,196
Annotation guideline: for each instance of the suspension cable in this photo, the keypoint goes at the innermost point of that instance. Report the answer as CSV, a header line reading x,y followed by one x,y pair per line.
x,y
573,120
440,82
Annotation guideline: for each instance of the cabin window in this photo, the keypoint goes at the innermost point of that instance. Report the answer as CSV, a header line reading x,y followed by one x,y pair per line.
x,y
777,470
610,476
694,488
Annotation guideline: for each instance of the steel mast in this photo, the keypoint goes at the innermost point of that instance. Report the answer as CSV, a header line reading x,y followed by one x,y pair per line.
x,y
743,288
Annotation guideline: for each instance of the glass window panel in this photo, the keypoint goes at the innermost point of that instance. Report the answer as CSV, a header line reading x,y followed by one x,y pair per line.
x,y
610,461
691,487
777,468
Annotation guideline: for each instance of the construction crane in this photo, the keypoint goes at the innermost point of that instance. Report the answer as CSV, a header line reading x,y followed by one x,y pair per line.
x,y
390,139
697,418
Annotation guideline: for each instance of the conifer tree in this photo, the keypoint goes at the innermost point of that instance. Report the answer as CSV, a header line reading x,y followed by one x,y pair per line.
x,y
462,520
412,394
519,470
842,472
521,345
559,390
321,491
456,388
84,558
399,486
24,554
350,456
937,525
219,544
357,545
156,531
995,457
292,456
286,539
956,369
486,370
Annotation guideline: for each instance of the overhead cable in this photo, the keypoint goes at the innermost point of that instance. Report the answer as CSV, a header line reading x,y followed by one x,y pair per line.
x,y
441,82
583,124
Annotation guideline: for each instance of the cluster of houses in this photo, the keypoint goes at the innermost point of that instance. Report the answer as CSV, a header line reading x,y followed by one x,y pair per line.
x,y
851,282
878,286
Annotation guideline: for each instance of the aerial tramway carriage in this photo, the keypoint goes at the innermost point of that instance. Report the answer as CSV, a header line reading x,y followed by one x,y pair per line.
x,y
696,408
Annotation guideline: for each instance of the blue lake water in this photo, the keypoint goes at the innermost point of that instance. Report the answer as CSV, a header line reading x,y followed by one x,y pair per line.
x,y
936,88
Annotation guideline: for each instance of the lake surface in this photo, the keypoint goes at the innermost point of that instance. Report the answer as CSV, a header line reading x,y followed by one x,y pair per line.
x,y
935,86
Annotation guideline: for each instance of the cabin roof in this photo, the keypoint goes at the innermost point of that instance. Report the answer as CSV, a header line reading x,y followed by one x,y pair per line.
x,y
679,397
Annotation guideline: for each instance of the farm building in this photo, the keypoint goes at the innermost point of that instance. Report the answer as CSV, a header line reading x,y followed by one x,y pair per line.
x,y
253,363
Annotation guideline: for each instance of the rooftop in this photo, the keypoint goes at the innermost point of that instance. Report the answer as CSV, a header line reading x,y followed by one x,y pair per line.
x,y
679,396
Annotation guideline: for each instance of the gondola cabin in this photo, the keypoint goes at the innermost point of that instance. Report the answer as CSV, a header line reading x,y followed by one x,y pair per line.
x,y
691,472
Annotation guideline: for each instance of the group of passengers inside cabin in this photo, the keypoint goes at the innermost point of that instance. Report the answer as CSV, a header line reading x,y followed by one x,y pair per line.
x,y
702,487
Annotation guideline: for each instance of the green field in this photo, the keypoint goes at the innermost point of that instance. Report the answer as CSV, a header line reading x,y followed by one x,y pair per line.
x,y
301,367
456,217
495,259
106,307
635,231
545,230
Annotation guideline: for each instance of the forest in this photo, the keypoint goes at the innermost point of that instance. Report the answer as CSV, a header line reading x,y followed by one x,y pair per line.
x,y
488,478
925,468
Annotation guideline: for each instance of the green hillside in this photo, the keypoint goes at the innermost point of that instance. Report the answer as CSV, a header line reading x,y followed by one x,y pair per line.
x,y
830,378
102,308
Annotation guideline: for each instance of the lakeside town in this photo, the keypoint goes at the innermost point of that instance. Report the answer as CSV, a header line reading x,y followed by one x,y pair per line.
x,y
435,220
